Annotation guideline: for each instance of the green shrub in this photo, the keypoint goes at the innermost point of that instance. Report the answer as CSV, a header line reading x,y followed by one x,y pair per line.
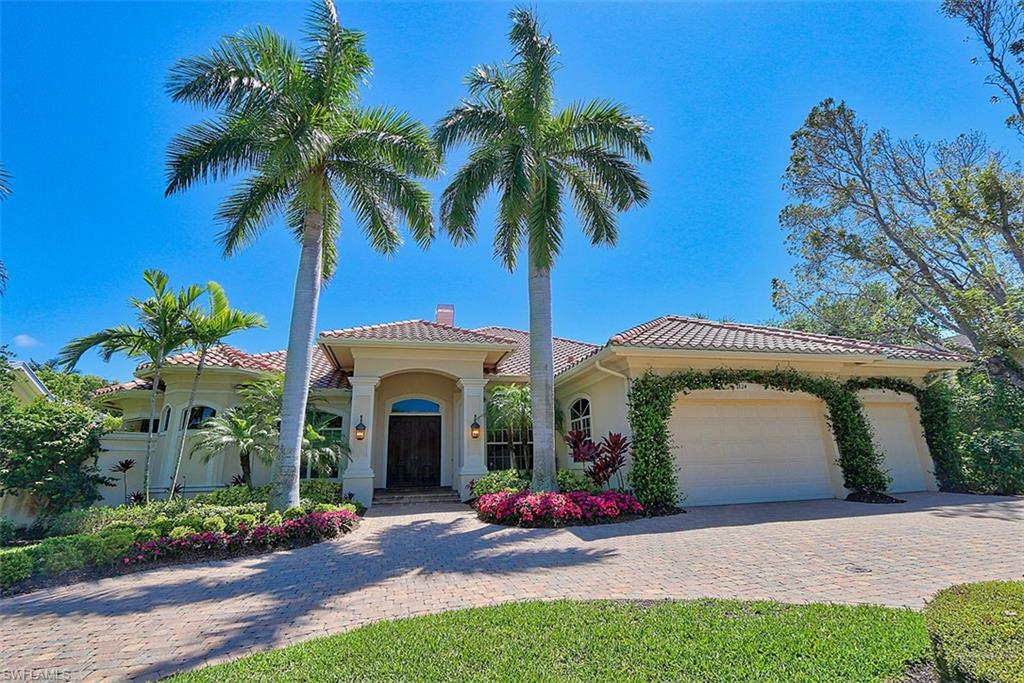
x,y
575,480
214,523
234,495
326,507
15,566
245,520
180,532
162,524
496,482
272,519
64,553
977,632
321,490
994,461
294,513
7,531
147,534
116,543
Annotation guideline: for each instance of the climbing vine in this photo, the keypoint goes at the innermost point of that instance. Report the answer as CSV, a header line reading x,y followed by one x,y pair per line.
x,y
650,405
936,412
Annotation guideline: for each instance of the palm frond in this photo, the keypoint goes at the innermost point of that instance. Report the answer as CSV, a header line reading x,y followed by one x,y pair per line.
x,y
471,122
5,182
592,205
252,69
391,137
462,197
213,149
246,212
613,173
398,194
337,61
600,123
544,219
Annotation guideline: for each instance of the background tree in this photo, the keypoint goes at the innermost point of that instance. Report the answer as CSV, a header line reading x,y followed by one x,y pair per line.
x,y
934,231
291,121
207,329
161,330
535,156
70,385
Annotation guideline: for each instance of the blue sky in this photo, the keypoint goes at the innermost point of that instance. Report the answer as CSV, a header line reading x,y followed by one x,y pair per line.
x,y
85,124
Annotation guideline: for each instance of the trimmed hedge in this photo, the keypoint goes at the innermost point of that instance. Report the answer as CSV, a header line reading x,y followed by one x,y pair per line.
x,y
514,481
977,632
652,396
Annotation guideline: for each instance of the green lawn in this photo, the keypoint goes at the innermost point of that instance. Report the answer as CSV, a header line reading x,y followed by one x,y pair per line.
x,y
703,640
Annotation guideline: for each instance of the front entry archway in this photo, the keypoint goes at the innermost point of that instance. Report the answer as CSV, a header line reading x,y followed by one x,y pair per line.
x,y
414,450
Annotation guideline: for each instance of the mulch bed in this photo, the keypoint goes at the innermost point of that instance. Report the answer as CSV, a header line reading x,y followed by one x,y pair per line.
x,y
879,498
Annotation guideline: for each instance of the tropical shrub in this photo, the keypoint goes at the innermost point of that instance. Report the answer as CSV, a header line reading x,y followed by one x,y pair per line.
x,y
159,515
48,450
15,566
977,632
311,490
7,531
994,461
604,460
574,480
294,513
556,509
499,480
214,523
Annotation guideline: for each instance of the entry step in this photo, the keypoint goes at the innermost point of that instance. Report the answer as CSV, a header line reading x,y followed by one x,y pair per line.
x,y
401,496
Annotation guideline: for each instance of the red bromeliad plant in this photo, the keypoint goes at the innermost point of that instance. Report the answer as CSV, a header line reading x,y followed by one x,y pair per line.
x,y
604,460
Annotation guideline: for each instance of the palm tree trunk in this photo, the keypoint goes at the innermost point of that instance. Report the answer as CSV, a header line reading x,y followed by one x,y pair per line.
x,y
246,465
188,416
149,432
284,487
542,378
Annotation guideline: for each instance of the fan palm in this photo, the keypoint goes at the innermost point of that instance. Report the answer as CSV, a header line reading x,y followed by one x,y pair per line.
x,y
241,428
207,330
292,122
161,331
535,157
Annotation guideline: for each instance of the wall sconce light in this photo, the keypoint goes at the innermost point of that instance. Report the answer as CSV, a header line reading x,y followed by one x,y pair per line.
x,y
474,429
360,430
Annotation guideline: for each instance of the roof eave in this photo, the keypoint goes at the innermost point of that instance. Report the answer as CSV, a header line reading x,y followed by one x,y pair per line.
x,y
400,343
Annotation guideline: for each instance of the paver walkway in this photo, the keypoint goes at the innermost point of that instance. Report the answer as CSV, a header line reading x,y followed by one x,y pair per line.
x,y
417,561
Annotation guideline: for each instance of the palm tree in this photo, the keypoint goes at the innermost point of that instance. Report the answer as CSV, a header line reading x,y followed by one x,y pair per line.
x,y
207,330
161,331
535,156
292,122
509,409
322,450
241,428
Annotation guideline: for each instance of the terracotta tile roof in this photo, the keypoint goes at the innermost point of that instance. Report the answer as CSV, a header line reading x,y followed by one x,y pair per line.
x,y
124,386
567,352
681,332
420,331
323,376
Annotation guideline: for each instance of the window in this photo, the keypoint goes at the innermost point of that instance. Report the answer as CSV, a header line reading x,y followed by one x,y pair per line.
x,y
198,416
164,420
579,416
141,425
507,449
415,405
332,429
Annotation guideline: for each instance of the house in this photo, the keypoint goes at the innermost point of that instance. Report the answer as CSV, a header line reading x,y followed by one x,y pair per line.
x,y
407,394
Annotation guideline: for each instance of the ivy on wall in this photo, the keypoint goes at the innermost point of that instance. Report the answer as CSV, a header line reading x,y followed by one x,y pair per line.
x,y
652,396
936,412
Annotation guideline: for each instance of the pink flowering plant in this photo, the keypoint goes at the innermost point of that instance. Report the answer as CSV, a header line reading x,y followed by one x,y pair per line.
x,y
310,528
556,509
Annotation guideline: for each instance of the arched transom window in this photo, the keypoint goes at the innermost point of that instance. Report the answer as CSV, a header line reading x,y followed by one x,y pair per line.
x,y
415,405
579,416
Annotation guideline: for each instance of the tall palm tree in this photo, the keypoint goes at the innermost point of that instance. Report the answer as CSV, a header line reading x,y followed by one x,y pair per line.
x,y
161,331
207,330
534,156
292,122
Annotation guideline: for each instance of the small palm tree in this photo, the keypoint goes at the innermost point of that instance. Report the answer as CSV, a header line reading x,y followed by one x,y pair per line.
x,y
323,450
161,331
509,409
123,467
207,329
536,156
242,428
291,120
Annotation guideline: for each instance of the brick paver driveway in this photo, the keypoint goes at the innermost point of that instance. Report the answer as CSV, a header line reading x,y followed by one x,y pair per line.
x,y
415,561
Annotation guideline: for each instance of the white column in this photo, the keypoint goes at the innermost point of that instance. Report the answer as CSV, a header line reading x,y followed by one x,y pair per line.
x,y
474,455
358,477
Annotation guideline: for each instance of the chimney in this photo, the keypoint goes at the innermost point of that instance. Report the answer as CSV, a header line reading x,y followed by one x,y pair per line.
x,y
444,314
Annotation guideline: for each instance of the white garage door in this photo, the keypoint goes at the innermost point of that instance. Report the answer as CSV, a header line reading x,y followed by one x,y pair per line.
x,y
747,451
894,425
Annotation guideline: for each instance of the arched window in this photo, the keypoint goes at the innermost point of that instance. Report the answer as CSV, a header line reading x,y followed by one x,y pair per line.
x,y
165,419
198,416
415,405
579,416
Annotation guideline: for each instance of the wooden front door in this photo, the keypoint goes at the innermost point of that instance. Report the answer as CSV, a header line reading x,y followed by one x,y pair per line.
x,y
414,450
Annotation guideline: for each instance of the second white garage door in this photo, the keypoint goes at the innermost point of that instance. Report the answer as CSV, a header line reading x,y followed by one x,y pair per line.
x,y
895,425
746,451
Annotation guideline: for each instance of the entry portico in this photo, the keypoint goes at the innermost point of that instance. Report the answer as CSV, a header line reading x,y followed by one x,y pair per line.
x,y
417,389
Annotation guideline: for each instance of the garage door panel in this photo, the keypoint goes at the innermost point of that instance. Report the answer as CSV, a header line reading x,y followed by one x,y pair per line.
x,y
739,451
894,425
